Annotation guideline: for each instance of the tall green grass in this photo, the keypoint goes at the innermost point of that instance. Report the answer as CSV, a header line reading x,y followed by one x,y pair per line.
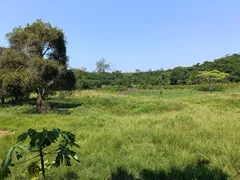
x,y
175,134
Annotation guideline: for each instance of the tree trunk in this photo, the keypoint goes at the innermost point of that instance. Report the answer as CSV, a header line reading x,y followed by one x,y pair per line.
x,y
1,94
3,99
39,102
41,105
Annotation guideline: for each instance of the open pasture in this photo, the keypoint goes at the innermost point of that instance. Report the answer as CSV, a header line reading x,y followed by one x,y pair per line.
x,y
168,134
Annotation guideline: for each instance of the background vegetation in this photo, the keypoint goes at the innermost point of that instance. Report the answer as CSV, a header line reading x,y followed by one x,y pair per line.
x,y
229,64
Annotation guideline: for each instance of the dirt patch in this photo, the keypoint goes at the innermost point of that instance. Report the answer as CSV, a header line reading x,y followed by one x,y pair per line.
x,y
6,132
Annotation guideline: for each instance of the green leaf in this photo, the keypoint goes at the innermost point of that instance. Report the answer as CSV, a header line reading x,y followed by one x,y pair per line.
x,y
5,170
69,138
22,137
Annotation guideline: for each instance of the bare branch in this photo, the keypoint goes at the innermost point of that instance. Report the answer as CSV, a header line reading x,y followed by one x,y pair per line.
x,y
48,48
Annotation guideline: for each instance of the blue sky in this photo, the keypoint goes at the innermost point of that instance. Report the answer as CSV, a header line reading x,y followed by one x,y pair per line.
x,y
134,34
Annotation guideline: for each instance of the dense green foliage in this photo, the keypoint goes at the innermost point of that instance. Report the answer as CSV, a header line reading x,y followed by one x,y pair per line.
x,y
39,39
144,134
13,73
146,80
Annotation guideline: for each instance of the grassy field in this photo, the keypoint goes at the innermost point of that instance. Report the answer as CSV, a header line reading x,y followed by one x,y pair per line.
x,y
168,134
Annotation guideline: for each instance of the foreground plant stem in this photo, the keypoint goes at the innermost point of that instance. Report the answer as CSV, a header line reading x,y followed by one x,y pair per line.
x,y
42,163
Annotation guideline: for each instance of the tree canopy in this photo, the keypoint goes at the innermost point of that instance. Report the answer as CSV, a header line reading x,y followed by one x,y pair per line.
x,y
212,76
39,39
179,75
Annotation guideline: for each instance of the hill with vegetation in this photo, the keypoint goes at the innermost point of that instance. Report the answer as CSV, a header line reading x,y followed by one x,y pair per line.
x,y
177,76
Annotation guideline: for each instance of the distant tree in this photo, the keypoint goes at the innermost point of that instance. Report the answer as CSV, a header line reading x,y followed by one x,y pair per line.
x,y
137,71
179,75
196,65
125,80
211,77
102,66
165,77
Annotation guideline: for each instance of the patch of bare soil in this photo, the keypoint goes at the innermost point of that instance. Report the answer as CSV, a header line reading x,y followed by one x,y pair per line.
x,y
5,132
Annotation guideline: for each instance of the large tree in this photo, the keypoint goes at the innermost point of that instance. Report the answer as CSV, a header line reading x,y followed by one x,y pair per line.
x,y
43,51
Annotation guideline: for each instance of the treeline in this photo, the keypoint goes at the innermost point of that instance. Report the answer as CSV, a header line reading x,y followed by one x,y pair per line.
x,y
178,76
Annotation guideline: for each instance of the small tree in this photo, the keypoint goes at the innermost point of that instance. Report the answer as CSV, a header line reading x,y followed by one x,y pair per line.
x,y
39,141
211,77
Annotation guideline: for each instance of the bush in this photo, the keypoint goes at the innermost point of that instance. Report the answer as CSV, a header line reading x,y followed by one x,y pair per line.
x,y
92,84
